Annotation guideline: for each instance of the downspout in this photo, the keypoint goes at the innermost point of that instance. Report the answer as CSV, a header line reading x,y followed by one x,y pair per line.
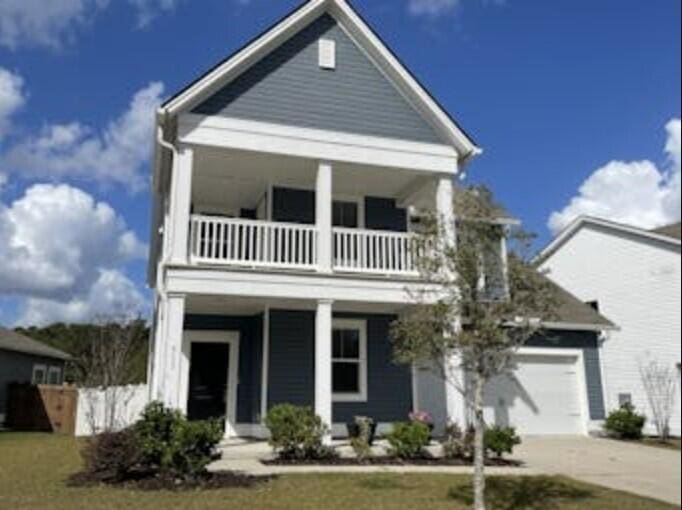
x,y
161,280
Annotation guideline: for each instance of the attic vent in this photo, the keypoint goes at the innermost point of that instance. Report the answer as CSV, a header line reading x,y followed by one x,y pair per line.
x,y
327,54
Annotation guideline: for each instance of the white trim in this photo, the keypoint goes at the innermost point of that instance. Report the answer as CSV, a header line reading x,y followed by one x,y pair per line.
x,y
361,327
42,367
583,221
362,35
327,53
580,371
228,337
54,369
317,144
286,285
265,366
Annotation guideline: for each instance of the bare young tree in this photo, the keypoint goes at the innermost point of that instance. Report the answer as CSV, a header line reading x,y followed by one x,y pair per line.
x,y
660,384
480,308
107,367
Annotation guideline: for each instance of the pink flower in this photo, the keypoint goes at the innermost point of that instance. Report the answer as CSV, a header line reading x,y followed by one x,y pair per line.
x,y
422,417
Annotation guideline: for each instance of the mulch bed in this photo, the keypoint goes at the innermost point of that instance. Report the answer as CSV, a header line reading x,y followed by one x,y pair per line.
x,y
390,461
207,481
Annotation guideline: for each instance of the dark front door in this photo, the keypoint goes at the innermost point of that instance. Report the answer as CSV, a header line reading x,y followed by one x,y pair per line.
x,y
208,381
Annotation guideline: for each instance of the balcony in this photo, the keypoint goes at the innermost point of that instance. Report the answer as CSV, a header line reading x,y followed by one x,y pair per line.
x,y
228,242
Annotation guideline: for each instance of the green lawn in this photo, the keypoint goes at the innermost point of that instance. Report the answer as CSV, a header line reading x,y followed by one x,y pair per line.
x,y
33,469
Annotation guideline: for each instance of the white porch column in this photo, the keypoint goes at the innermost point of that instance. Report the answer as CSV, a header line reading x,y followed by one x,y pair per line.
x,y
455,403
181,204
323,362
323,217
170,377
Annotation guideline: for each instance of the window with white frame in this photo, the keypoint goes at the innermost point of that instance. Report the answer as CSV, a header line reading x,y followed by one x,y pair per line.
x,y
349,361
54,376
39,374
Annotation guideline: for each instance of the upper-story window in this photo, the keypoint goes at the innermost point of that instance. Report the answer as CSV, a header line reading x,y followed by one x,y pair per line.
x,y
345,214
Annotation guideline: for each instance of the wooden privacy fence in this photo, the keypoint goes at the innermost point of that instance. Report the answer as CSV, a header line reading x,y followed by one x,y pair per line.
x,y
42,408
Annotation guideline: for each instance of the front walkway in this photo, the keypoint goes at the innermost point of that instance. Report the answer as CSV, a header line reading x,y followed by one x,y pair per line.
x,y
246,457
639,469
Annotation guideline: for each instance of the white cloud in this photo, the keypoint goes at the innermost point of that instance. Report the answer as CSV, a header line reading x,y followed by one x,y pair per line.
x,y
54,23
112,295
57,241
12,98
637,193
147,10
117,155
432,8
44,23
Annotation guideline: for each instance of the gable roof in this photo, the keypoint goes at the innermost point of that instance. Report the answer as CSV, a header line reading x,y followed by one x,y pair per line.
x,y
573,314
673,231
660,235
388,63
13,341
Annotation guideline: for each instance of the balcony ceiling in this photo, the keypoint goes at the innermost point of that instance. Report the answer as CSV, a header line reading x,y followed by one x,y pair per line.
x,y
241,178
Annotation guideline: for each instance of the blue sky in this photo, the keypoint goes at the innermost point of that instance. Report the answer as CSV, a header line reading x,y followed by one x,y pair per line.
x,y
574,102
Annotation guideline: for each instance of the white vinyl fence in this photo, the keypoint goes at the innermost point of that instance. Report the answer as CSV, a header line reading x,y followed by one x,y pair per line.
x,y
115,408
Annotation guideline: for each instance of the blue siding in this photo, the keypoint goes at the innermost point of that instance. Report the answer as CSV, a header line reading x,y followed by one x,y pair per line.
x,y
292,368
291,378
589,343
250,357
288,87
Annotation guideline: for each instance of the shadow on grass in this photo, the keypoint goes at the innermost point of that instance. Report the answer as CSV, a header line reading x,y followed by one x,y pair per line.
x,y
533,493
379,483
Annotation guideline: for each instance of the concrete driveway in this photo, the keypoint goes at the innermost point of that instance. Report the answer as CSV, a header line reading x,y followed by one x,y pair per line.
x,y
642,470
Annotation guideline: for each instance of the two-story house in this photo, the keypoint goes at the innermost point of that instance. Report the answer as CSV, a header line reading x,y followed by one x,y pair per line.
x,y
283,184
634,277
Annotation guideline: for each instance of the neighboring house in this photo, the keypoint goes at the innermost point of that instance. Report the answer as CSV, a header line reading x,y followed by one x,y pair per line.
x,y
633,277
281,249
24,360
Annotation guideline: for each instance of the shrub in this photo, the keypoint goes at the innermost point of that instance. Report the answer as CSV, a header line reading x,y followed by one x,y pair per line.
x,y
458,444
112,456
171,444
407,440
501,440
296,432
362,442
625,423
194,446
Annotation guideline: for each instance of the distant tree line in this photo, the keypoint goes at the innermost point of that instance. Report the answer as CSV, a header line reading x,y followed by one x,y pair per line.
x,y
124,342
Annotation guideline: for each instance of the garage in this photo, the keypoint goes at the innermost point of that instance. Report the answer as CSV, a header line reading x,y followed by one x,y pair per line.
x,y
544,396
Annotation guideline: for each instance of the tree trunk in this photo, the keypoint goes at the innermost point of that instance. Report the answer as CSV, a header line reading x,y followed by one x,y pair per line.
x,y
479,446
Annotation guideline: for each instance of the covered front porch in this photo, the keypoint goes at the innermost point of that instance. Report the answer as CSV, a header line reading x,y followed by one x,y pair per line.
x,y
238,357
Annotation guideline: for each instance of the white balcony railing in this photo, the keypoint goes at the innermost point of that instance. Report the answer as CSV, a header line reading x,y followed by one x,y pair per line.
x,y
375,252
250,243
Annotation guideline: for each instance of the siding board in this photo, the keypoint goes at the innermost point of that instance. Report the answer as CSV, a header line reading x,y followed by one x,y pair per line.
x,y
288,87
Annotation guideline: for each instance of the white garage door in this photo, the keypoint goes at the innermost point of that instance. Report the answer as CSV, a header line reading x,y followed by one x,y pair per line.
x,y
542,397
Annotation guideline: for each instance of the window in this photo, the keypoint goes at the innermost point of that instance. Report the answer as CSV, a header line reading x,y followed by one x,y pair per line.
x,y
349,361
624,399
345,214
39,374
54,376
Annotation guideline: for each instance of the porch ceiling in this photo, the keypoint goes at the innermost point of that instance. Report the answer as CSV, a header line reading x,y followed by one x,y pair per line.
x,y
241,178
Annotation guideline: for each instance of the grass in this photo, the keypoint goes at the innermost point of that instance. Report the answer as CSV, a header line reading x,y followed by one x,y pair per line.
x,y
33,468
670,444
